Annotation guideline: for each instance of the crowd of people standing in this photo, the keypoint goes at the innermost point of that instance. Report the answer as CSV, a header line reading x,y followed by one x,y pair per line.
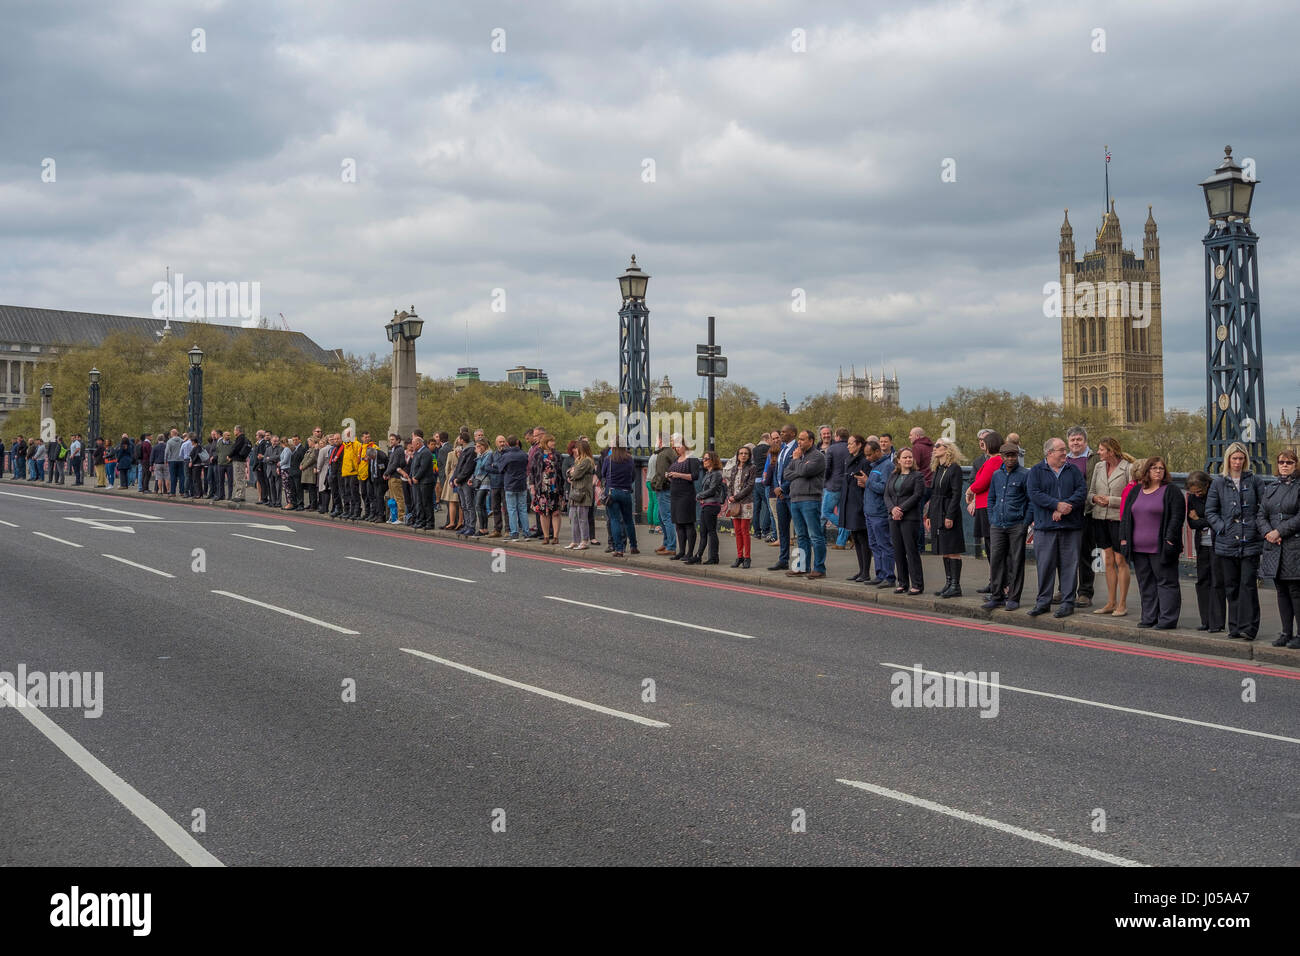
x,y
801,491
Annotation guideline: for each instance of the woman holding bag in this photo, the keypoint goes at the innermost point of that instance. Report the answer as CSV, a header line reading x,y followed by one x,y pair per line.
x,y
1151,537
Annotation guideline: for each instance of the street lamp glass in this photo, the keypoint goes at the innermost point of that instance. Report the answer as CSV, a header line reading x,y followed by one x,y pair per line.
x,y
414,327
1241,196
94,376
390,330
1218,199
196,356
47,389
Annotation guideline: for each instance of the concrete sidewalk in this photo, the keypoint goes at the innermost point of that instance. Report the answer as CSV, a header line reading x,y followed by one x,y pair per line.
x,y
842,564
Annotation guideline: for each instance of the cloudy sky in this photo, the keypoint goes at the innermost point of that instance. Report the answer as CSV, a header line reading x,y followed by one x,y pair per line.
x,y
774,168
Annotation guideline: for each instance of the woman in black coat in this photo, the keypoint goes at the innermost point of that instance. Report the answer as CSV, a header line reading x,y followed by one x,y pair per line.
x,y
1233,512
943,519
852,518
904,491
1279,524
682,475
1151,538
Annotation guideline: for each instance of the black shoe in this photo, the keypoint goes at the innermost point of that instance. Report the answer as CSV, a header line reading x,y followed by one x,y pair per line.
x,y
745,564
1036,611
709,561
952,592
691,560
885,583
1234,636
676,557
987,589
1282,640
1064,610
1294,644
1206,627
856,579
1144,624
737,562
947,586
779,567
1165,627
991,604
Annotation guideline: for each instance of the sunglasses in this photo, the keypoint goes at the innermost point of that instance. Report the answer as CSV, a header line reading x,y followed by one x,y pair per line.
x,y
1285,461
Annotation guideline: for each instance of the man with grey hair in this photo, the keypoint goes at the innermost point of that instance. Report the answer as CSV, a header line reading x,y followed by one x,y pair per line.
x,y
1083,458
1056,493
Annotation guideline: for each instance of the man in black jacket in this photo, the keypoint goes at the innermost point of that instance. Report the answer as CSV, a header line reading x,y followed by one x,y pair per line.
x,y
239,464
421,472
396,487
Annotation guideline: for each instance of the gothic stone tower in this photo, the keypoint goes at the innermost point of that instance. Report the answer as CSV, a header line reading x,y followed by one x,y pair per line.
x,y
1111,350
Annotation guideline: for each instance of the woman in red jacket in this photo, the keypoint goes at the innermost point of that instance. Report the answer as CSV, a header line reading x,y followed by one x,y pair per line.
x,y
977,495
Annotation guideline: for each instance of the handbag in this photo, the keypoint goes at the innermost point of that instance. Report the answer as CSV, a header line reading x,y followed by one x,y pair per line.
x,y
734,509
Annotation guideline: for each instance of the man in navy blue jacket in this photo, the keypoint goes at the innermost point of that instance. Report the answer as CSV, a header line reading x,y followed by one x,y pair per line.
x,y
1056,492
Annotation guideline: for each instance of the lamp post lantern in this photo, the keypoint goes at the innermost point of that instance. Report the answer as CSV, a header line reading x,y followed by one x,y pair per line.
x,y
402,331
196,391
634,361
1234,355
48,431
92,406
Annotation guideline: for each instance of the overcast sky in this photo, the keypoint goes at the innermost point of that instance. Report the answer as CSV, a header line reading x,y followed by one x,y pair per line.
x,y
774,169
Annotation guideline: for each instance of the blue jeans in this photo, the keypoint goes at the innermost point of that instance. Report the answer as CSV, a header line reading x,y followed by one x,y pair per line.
x,y
806,517
621,528
666,518
882,546
110,469
517,512
830,503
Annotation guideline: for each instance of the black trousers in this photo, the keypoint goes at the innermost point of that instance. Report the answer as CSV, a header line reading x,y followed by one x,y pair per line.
x,y
862,551
213,477
1086,573
1209,589
1162,598
424,514
498,508
351,496
1007,562
709,531
367,496
1242,592
907,553
686,539
1288,604
196,481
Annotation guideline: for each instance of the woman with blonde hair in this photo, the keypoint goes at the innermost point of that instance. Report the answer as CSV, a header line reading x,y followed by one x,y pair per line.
x,y
943,517
1232,509
1110,479
449,493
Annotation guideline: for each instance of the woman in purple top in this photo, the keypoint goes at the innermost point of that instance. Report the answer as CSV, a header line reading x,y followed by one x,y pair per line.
x,y
1151,538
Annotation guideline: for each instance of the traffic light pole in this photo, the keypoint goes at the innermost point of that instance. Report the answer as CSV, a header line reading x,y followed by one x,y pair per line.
x,y
712,379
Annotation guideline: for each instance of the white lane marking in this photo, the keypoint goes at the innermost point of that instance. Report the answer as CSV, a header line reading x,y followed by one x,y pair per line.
x,y
142,567
635,718
398,567
8,524
281,610
651,617
1097,703
42,534
119,524
78,504
144,810
993,824
283,544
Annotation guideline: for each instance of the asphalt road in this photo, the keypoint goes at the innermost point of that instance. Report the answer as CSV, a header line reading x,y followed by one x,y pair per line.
x,y
503,714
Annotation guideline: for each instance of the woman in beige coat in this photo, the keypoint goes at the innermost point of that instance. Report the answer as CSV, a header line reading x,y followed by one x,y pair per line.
x,y
582,493
1106,492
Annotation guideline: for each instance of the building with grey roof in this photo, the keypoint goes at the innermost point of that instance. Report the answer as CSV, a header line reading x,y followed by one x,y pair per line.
x,y
32,337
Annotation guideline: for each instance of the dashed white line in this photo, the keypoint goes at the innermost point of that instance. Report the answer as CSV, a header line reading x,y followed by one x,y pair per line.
x,y
142,567
8,524
281,610
42,534
398,567
283,544
1104,706
651,617
635,718
144,810
993,824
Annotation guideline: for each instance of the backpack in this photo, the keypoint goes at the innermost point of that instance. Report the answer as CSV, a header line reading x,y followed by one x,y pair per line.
x,y
63,451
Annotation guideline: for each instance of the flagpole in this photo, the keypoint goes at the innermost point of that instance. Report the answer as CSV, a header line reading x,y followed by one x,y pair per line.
x,y
1106,208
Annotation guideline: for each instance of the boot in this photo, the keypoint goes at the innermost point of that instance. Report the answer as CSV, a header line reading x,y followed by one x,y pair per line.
x,y
947,570
954,588
745,564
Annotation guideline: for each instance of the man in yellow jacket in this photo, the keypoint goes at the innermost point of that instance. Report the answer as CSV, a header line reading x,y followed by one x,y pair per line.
x,y
353,459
